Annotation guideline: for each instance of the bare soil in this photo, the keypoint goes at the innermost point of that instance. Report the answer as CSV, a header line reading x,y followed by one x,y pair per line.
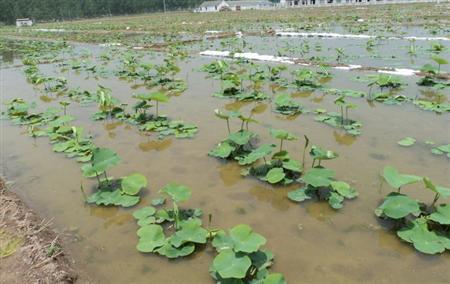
x,y
39,256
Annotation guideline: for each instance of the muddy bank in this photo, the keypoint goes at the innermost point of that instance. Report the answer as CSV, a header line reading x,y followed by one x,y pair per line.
x,y
30,251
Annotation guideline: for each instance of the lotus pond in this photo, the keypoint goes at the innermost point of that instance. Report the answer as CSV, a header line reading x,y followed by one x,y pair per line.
x,y
286,158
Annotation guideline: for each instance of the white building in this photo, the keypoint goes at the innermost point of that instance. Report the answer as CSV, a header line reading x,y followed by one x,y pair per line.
x,y
300,3
222,5
24,22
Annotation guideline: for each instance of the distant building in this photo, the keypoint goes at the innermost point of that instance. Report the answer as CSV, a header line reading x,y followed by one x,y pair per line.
x,y
24,22
222,5
300,3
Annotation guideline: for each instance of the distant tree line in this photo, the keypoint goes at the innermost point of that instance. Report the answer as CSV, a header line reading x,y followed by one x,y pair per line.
x,y
54,10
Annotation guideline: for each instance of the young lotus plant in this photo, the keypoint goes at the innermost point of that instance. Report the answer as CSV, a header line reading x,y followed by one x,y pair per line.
x,y
425,225
170,232
320,184
280,169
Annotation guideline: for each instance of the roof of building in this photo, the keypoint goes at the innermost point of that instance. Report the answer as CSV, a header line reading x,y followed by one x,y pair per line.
x,y
210,3
249,2
236,3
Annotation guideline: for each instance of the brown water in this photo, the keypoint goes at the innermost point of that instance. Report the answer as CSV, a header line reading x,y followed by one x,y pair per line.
x,y
311,242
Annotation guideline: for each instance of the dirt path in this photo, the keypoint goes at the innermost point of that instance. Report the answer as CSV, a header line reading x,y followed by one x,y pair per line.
x,y
30,252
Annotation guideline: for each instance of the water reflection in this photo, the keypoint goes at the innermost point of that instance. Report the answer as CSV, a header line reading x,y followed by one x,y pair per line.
x,y
321,211
157,145
304,94
259,108
237,105
344,138
230,173
276,197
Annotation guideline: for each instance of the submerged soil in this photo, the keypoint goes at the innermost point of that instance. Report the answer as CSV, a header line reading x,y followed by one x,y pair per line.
x,y
35,253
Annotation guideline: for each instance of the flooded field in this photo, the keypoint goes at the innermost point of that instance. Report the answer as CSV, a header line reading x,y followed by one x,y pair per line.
x,y
315,241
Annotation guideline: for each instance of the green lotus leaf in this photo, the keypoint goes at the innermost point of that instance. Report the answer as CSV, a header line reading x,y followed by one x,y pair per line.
x,y
245,240
275,175
298,195
344,189
442,191
275,278
241,137
159,97
439,60
144,212
132,184
292,165
322,154
335,200
102,159
158,201
170,251
222,241
191,231
116,197
397,206
146,221
150,238
257,154
442,214
407,141
178,193
262,259
223,150
397,180
228,265
282,134
422,238
318,177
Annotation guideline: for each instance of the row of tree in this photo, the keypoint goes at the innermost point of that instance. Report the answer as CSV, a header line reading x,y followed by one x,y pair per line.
x,y
54,10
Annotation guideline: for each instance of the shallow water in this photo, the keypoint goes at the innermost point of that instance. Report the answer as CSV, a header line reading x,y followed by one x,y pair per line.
x,y
311,242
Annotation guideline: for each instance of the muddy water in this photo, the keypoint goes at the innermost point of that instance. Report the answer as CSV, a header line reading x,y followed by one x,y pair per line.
x,y
311,242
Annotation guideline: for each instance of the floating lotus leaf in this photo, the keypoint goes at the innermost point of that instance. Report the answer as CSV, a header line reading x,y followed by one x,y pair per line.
x,y
422,238
262,259
241,137
292,165
150,238
222,241
344,189
335,200
442,214
171,252
191,231
282,134
178,193
407,141
274,278
144,212
397,180
298,195
223,150
318,177
397,206
228,265
132,184
116,197
275,175
256,154
245,240
102,159
158,201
